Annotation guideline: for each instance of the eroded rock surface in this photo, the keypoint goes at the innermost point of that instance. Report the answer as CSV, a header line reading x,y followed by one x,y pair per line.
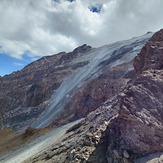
x,y
25,94
68,85
127,127
150,56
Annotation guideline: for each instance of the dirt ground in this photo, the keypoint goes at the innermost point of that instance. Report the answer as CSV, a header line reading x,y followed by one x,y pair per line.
x,y
11,140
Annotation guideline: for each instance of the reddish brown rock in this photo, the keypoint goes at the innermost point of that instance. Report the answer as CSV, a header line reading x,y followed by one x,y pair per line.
x,y
52,85
94,92
151,55
128,126
25,94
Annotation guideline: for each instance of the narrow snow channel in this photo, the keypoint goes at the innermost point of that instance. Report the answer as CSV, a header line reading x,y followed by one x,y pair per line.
x,y
37,145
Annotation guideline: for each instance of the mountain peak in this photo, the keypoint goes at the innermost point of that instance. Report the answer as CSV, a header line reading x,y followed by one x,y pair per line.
x,y
151,55
82,49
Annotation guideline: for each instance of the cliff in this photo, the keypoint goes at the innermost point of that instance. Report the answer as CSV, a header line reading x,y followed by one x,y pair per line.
x,y
124,128
61,88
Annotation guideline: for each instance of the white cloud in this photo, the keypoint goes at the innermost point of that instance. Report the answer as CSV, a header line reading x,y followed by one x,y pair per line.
x,y
42,27
18,64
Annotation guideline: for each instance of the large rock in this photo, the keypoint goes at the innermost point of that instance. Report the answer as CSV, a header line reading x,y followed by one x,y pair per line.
x,y
151,55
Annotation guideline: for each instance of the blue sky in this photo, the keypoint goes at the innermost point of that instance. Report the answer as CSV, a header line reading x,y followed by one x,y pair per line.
x,y
9,64
96,8
46,27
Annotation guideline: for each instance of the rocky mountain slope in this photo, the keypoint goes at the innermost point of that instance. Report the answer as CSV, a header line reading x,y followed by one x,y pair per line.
x,y
124,128
119,95
57,89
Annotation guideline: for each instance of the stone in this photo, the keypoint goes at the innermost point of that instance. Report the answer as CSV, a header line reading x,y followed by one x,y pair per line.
x,y
125,160
72,155
125,154
151,55
116,154
50,154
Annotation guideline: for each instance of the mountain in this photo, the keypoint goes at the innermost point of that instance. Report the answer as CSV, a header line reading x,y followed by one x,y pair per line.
x,y
124,128
61,88
112,96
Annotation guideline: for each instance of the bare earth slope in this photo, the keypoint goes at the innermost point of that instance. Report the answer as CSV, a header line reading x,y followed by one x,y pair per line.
x,y
37,145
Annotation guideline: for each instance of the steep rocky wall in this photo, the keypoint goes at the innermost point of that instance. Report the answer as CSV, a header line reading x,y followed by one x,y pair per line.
x,y
94,92
150,56
26,93
55,90
127,127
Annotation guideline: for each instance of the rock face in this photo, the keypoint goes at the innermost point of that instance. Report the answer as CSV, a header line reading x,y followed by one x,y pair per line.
x,y
150,56
90,96
124,128
26,93
57,89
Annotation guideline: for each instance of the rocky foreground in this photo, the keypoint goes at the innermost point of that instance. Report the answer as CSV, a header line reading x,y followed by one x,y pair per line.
x,y
125,128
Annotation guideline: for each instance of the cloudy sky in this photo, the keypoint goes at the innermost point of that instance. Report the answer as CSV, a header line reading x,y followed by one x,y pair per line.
x,y
33,28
